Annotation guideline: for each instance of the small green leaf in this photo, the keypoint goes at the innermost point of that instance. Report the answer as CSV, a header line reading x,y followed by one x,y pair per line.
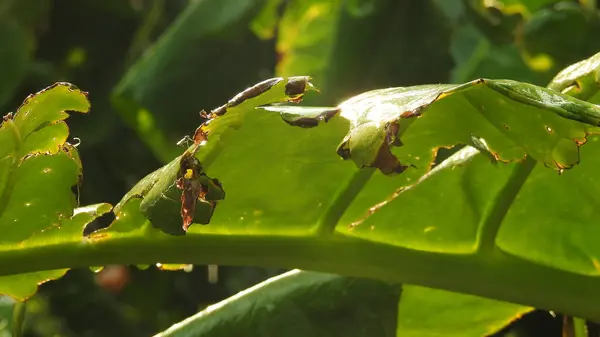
x,y
48,106
39,169
165,201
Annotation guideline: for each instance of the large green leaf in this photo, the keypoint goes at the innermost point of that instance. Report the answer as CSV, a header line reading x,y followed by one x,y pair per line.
x,y
458,232
38,169
300,303
462,225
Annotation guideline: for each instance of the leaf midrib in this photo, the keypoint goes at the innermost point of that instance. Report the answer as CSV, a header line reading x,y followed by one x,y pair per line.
x,y
498,276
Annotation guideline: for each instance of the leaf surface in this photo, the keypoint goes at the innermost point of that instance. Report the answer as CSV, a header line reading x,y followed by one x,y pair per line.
x,y
36,162
300,303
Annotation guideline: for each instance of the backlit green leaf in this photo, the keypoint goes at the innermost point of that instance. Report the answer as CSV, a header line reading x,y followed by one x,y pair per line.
x,y
39,169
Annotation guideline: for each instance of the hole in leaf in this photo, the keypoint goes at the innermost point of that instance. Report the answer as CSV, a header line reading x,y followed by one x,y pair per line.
x,y
100,222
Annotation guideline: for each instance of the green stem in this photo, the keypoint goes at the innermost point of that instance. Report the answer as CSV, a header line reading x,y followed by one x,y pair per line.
x,y
497,209
342,200
499,276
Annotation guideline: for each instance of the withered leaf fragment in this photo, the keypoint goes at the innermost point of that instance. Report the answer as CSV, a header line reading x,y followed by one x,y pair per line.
x,y
176,195
196,188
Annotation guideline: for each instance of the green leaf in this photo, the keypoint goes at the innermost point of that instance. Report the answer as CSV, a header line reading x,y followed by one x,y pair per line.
x,y
300,303
292,202
307,31
39,168
205,42
324,305
425,312
14,57
265,23
580,80
563,33
475,56
376,39
23,286
161,191
11,317
524,119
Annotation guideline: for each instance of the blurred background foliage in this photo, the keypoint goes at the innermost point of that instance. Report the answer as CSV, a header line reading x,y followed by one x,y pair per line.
x,y
151,65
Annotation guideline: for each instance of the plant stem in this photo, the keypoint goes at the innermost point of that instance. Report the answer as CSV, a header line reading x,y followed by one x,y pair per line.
x,y
497,209
499,276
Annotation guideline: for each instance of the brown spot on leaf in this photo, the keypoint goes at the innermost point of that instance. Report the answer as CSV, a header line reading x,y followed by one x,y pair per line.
x,y
200,135
191,192
196,187
296,85
343,149
190,186
392,134
386,162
